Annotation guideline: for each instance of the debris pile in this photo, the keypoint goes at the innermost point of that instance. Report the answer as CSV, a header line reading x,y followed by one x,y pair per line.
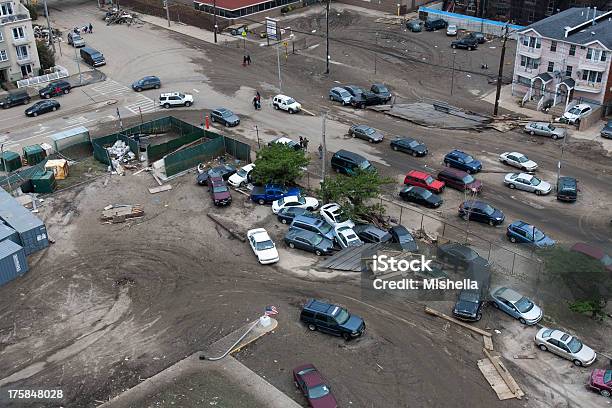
x,y
119,16
116,213
119,153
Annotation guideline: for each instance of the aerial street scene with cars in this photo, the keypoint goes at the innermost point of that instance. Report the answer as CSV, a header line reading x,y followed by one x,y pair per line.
x,y
296,203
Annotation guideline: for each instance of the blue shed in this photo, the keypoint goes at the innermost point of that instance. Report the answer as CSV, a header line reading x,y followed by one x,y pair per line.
x,y
13,262
7,232
31,230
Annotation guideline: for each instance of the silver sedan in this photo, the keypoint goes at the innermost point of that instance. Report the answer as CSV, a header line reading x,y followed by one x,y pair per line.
x,y
545,129
527,182
564,345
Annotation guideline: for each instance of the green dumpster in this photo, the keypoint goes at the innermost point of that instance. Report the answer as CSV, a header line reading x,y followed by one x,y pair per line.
x,y
10,161
34,154
44,182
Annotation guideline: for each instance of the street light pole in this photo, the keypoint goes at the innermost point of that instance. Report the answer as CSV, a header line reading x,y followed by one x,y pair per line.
x,y
375,53
323,145
327,37
51,42
167,4
500,73
453,74
280,81
257,132
215,18
76,57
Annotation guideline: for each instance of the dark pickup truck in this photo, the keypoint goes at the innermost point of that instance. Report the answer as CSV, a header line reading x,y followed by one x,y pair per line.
x,y
469,43
272,192
367,98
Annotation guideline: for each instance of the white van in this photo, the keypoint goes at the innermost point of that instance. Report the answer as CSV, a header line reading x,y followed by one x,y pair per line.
x,y
286,103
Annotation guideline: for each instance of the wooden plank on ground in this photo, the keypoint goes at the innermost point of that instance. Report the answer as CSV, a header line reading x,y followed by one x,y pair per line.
x,y
505,375
157,179
494,379
434,312
159,189
488,343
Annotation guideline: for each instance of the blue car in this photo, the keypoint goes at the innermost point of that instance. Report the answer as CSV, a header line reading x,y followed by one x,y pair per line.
x,y
523,233
286,215
463,161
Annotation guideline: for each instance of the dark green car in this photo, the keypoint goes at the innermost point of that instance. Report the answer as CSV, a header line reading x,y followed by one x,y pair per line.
x,y
415,26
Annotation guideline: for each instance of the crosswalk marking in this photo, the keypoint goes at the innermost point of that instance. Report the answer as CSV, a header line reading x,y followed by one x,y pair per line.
x,y
145,104
110,87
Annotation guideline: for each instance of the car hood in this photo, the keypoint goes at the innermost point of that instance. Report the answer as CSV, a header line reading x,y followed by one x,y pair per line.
x,y
607,130
353,323
437,184
326,244
375,136
543,186
232,119
534,314
569,115
586,353
597,377
420,149
498,215
545,242
235,178
559,131
434,199
476,185
468,308
410,246
222,196
474,164
529,164
267,254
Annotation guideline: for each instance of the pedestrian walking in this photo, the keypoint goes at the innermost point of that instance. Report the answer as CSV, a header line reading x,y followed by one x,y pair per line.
x,y
258,96
90,28
255,102
305,143
320,149
244,60
301,142
248,59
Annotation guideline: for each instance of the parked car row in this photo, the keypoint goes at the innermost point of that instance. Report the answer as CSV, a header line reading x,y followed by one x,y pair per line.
x,y
358,97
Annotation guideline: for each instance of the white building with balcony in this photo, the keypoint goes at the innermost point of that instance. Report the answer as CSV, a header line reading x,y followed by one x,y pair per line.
x,y
566,57
18,54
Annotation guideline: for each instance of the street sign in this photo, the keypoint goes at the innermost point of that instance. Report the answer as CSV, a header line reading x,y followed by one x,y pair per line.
x,y
244,34
272,29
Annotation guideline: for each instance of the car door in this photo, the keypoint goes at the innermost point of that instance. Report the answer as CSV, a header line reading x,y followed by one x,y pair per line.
x,y
475,214
556,347
359,133
322,323
300,243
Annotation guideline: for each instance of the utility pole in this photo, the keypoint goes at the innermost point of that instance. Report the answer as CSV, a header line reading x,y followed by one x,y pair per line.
x,y
257,132
51,42
215,18
453,74
500,72
166,3
8,179
324,157
327,37
280,81
375,53
76,57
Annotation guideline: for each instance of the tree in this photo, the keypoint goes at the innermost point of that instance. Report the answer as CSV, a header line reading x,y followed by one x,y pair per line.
x,y
586,278
45,54
355,193
279,164
32,9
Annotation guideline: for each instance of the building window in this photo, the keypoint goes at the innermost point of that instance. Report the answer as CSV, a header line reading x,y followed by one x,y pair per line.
x,y
6,9
551,66
22,52
553,46
531,17
551,8
3,56
1,36
529,63
572,50
523,80
591,76
18,33
568,71
26,70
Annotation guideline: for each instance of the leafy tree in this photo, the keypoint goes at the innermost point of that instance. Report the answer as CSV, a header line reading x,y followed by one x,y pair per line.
x,y
32,9
355,193
279,164
45,54
587,279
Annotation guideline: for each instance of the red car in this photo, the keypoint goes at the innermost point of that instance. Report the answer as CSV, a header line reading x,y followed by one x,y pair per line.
x,y
594,252
219,191
314,387
425,180
601,382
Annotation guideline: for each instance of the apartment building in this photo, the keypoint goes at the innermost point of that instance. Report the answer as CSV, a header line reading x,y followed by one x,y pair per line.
x,y
18,54
566,57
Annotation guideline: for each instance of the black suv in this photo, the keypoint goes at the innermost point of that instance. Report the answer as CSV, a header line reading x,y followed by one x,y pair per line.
x,y
332,319
469,43
15,98
469,305
433,25
567,189
366,98
55,89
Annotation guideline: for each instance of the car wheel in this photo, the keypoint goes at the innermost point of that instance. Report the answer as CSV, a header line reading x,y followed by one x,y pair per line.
x,y
394,148
66,91
605,393
531,132
291,245
495,305
284,221
465,217
470,48
318,253
312,327
212,119
522,320
166,105
227,124
346,336
331,98
447,164
362,106
578,363
538,192
138,89
25,102
47,96
478,317
337,170
414,154
54,108
157,86
187,104
276,107
491,223
504,161
371,140
555,137
512,186
261,201
35,114
513,240
453,46
543,347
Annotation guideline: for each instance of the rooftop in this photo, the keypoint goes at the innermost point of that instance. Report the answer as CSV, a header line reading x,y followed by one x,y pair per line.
x,y
15,215
575,25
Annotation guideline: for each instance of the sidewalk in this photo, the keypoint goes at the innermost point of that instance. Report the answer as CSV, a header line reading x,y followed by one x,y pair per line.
x,y
509,102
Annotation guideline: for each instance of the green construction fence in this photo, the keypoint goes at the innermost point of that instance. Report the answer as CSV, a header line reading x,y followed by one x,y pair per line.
x,y
100,144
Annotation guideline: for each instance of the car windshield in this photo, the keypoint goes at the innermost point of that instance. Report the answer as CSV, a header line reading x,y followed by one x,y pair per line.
x,y
488,210
365,165
429,180
469,296
414,143
317,240
468,159
538,235
608,376
318,391
342,316
263,245
405,237
242,173
382,88
535,181
290,101
550,127
522,159
426,194
574,345
281,201
227,114
220,189
325,228
574,111
369,131
467,179
524,305
181,95
301,200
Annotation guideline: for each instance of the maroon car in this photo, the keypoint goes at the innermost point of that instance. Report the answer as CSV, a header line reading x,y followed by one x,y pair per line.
x,y
219,191
594,252
314,387
601,382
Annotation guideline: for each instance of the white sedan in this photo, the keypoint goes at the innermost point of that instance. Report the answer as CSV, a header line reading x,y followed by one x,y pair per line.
x,y
263,246
346,237
307,203
241,176
332,213
565,345
527,182
518,160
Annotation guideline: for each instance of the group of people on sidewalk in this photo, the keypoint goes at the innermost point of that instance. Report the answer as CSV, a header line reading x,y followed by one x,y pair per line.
x,y
84,29
246,60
